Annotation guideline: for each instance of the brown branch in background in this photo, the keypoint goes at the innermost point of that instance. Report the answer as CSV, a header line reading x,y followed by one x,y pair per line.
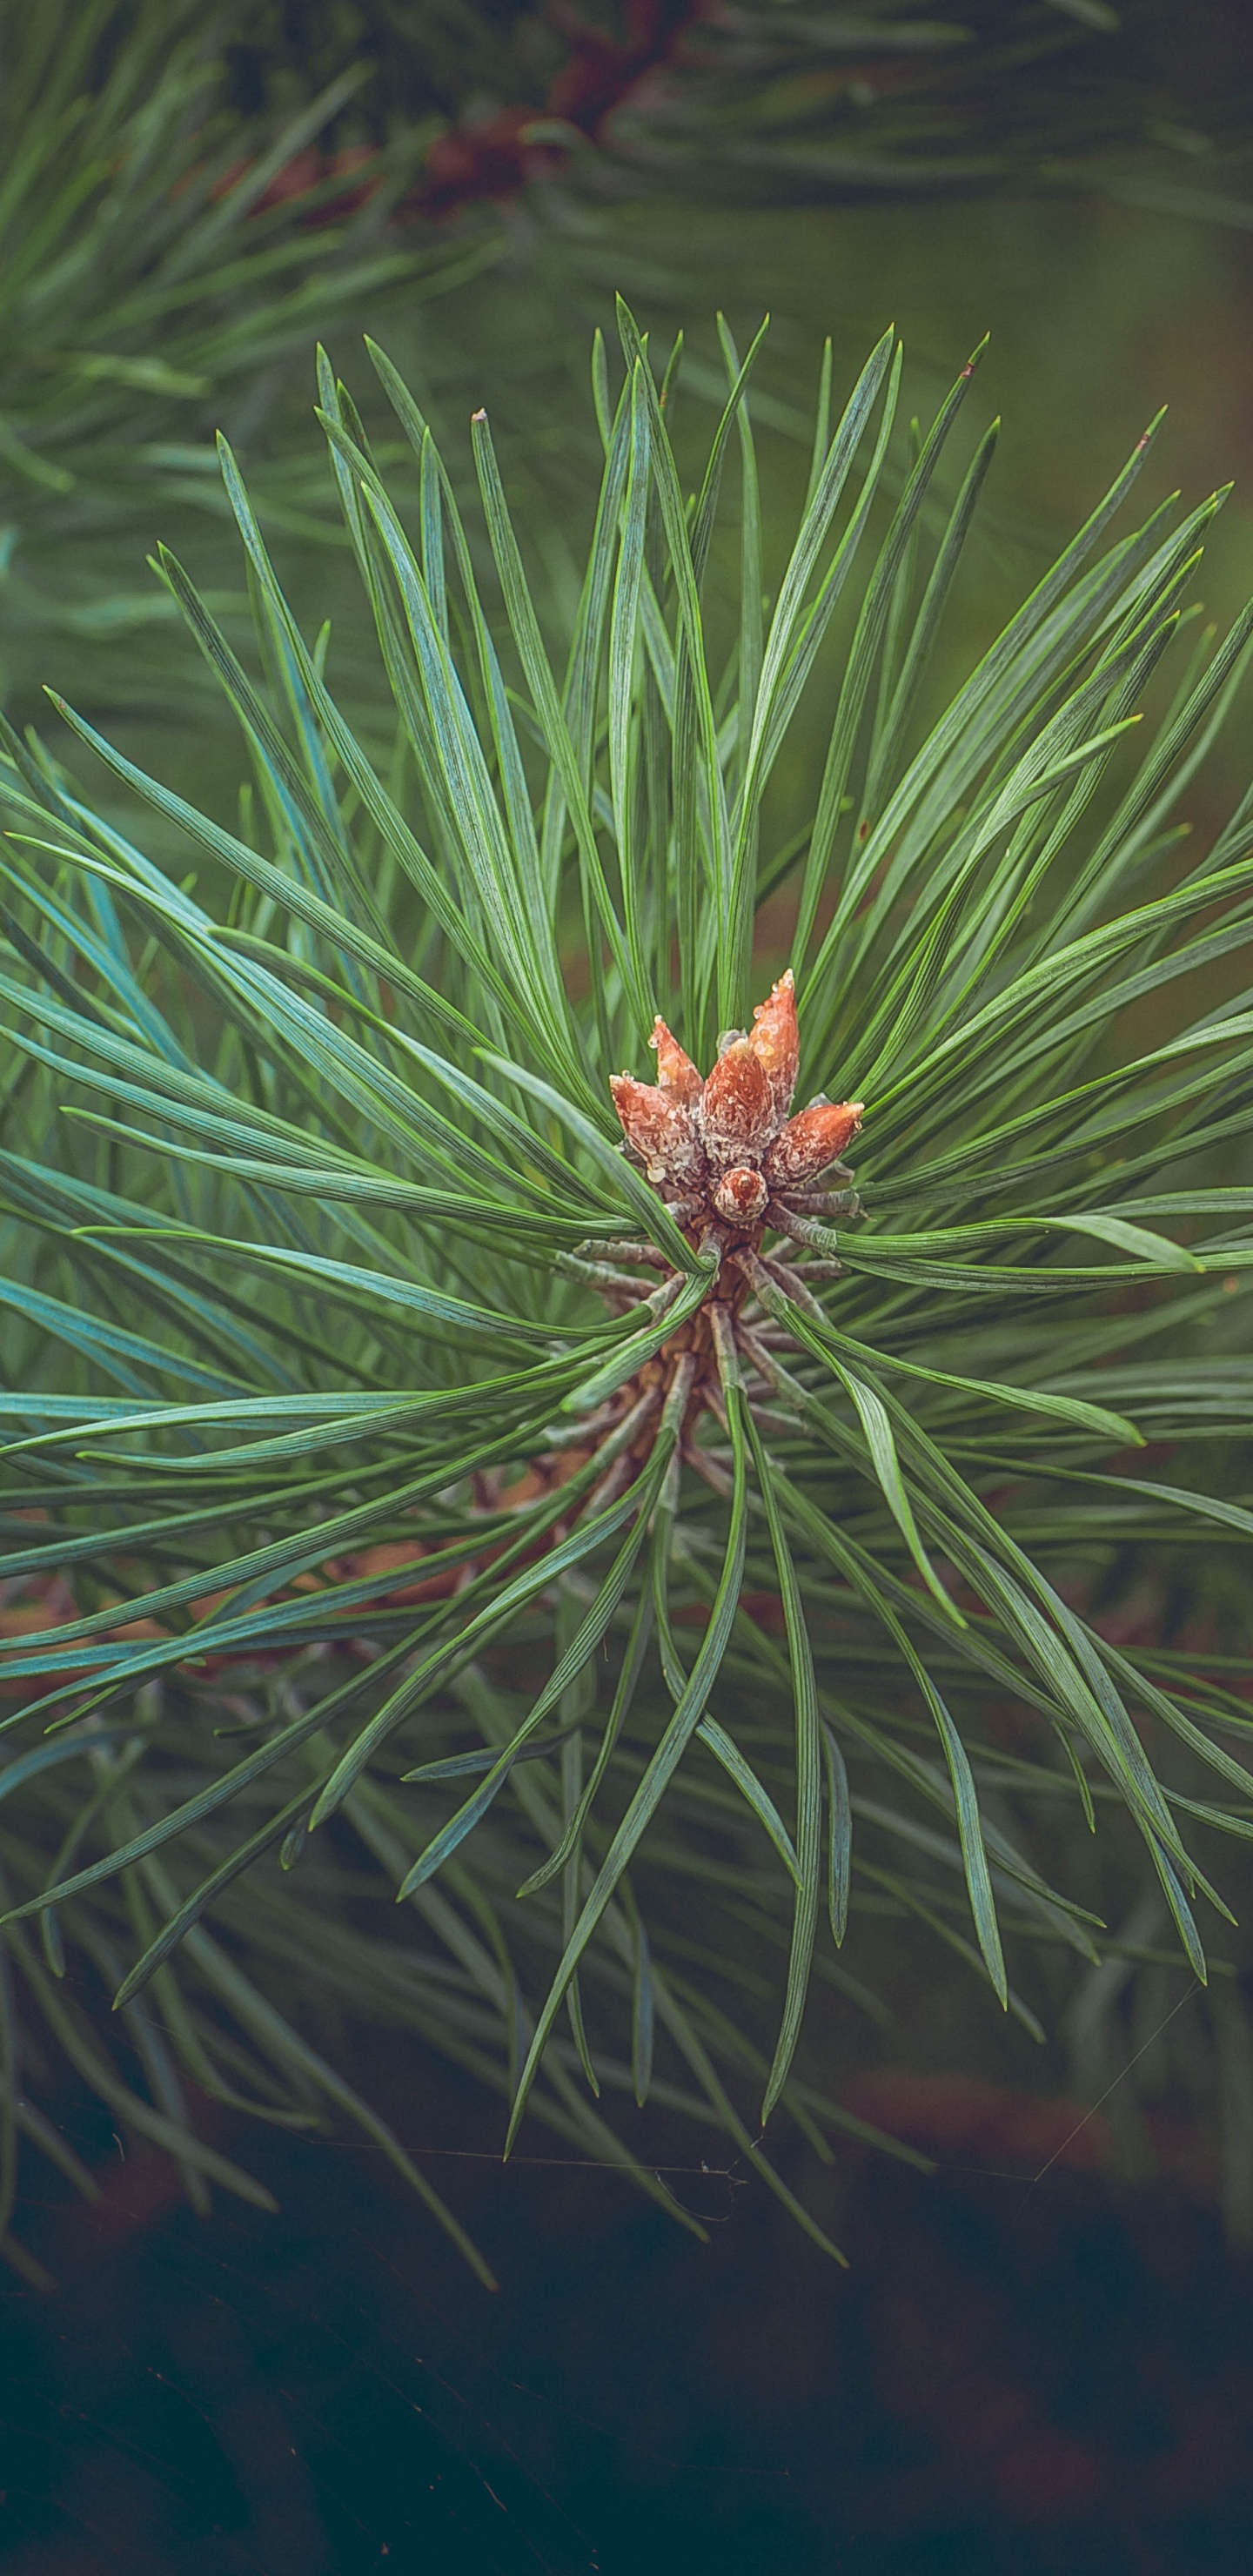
x,y
489,157
495,156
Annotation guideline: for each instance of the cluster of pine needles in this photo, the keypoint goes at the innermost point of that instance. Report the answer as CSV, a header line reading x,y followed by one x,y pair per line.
x,y
383,1531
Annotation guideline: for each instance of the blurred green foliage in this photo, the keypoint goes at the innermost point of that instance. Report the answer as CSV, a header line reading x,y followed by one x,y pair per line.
x,y
175,230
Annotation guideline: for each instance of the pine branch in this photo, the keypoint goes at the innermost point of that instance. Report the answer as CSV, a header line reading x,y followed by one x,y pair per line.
x,y
389,1368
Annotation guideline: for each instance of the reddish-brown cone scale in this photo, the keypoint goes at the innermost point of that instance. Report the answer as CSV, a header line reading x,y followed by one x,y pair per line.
x,y
740,1196
659,1127
810,1142
675,1070
776,1043
736,1112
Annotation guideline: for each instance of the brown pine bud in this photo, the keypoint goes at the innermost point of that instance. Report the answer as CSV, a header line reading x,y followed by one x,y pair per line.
x,y
741,1196
736,1107
775,1042
660,1130
676,1072
810,1141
